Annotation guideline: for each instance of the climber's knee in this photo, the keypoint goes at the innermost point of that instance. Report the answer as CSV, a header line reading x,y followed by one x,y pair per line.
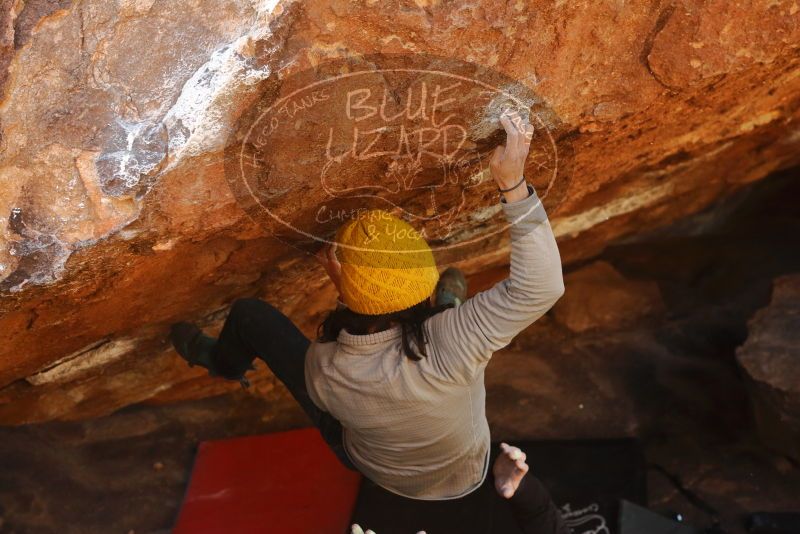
x,y
248,306
256,318
252,311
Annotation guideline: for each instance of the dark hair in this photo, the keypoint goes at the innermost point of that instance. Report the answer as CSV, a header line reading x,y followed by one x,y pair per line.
x,y
410,319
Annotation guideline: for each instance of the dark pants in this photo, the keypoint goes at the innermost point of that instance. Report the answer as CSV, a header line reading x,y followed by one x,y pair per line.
x,y
254,328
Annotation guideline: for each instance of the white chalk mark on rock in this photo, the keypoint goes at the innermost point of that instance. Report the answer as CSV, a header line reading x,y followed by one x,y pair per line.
x,y
98,354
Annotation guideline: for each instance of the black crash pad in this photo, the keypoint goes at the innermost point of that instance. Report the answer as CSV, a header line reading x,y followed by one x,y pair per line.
x,y
587,480
635,519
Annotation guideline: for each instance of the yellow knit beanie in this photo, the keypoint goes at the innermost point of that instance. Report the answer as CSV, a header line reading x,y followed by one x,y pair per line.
x,y
387,265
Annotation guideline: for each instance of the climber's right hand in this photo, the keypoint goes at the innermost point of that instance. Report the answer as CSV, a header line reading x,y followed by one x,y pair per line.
x,y
508,162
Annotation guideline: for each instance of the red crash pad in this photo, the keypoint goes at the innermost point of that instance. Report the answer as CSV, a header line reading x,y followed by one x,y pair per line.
x,y
285,483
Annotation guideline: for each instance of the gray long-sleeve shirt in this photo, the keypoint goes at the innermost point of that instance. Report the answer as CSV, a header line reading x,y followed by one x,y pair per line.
x,y
419,428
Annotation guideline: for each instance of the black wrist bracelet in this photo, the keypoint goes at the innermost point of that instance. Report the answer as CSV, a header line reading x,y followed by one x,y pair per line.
x,y
514,187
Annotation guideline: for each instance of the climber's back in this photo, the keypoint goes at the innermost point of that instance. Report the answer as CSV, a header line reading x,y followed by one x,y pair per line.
x,y
411,399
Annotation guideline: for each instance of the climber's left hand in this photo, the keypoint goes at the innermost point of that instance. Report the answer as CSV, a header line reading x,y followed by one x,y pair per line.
x,y
355,529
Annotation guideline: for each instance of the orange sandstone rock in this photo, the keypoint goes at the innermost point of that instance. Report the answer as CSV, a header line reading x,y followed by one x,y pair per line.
x,y
117,216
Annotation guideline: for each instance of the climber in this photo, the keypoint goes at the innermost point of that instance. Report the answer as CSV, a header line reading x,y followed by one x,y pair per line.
x,y
395,382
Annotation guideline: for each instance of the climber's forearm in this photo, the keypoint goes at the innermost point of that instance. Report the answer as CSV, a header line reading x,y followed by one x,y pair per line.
x,y
517,193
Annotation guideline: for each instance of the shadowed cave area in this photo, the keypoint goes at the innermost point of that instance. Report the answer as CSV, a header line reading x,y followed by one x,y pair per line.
x,y
665,337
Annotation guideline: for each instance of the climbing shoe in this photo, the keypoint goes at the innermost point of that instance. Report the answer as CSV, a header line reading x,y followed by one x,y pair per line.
x,y
451,288
196,348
